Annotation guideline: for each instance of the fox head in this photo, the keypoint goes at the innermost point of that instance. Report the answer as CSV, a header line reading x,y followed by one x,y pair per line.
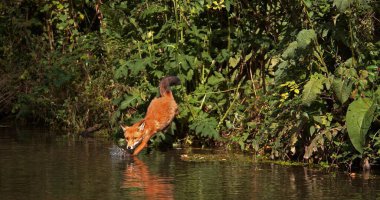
x,y
133,135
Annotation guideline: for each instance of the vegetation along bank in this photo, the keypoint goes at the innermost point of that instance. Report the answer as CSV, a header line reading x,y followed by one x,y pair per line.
x,y
288,79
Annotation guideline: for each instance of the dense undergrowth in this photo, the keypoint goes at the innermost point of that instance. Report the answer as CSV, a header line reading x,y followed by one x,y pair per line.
x,y
292,79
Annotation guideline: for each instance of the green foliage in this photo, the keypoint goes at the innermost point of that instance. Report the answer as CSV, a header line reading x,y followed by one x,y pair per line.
x,y
265,76
312,89
359,117
305,37
342,89
342,5
59,77
205,127
314,59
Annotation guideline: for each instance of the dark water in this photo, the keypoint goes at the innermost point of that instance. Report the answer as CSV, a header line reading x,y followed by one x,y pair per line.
x,y
38,165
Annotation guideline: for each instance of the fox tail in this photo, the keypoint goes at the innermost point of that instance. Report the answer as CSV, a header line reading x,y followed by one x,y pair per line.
x,y
166,83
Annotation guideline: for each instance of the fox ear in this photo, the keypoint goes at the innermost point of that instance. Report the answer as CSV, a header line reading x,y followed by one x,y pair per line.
x,y
123,127
142,126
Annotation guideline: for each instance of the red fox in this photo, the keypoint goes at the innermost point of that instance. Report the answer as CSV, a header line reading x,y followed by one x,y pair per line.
x,y
137,175
160,113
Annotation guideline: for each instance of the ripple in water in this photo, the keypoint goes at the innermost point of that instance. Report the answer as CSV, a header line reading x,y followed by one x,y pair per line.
x,y
116,151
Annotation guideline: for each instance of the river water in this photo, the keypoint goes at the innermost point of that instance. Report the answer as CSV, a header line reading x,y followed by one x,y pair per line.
x,y
36,164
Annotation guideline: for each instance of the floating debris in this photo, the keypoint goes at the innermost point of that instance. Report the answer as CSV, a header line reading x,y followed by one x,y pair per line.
x,y
216,157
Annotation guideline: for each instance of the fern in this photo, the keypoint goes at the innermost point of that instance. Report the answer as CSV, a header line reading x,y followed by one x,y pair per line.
x,y
205,127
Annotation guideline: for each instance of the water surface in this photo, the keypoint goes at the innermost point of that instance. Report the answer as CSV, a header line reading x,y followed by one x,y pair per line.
x,y
36,164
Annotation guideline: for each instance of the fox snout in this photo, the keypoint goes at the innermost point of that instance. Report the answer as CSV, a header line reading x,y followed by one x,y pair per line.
x,y
130,149
131,145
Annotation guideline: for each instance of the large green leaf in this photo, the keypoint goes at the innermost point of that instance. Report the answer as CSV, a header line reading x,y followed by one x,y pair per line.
x,y
305,37
312,89
358,120
342,89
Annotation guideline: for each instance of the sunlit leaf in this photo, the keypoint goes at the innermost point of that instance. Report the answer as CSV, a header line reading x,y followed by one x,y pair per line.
x,y
228,5
247,57
359,117
305,37
312,130
234,61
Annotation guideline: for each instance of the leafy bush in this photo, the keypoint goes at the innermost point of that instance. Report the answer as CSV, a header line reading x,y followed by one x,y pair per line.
x,y
291,80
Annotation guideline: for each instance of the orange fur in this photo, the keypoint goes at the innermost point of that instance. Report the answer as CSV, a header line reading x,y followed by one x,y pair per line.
x,y
160,113
152,186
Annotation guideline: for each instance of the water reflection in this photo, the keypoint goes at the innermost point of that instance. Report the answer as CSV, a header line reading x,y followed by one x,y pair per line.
x,y
143,183
34,166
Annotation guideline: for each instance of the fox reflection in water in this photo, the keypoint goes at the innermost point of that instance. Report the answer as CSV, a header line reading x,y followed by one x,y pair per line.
x,y
144,183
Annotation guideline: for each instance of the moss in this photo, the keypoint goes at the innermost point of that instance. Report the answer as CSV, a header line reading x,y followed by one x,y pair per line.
x,y
244,158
